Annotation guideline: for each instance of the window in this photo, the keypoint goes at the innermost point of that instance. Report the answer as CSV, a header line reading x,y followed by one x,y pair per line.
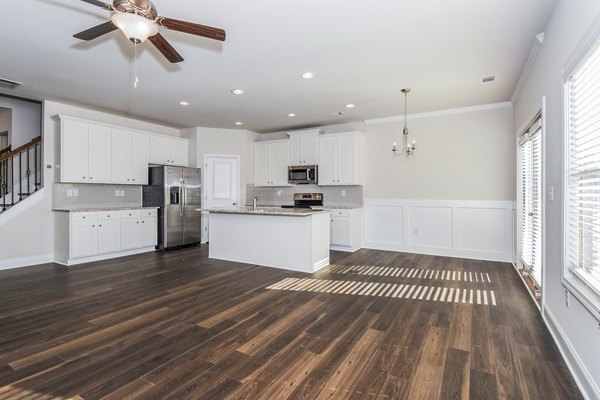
x,y
530,200
582,213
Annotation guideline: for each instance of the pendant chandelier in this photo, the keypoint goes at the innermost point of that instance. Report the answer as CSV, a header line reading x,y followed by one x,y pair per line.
x,y
407,148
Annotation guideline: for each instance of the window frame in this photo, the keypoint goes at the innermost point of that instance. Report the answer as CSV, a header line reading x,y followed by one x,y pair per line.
x,y
588,297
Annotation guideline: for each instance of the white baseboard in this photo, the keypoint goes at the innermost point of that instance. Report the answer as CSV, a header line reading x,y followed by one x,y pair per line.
x,y
584,380
344,248
444,252
77,261
321,264
26,261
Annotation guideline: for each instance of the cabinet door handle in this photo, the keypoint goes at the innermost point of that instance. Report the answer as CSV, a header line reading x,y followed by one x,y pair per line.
x,y
137,222
127,179
93,226
83,177
83,217
100,226
134,179
143,222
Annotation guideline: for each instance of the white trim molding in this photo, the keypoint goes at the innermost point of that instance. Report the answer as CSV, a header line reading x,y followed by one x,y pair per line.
x,y
454,228
440,113
26,261
533,53
584,380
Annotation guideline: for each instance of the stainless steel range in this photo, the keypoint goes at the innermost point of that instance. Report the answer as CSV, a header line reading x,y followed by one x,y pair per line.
x,y
306,200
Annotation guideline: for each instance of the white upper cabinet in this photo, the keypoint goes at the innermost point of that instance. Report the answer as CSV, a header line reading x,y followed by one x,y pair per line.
x,y
129,157
271,161
304,147
160,150
140,148
74,151
101,153
85,152
167,151
121,156
340,159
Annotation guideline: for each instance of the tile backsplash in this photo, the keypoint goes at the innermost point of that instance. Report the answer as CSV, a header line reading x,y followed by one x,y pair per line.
x,y
279,196
92,195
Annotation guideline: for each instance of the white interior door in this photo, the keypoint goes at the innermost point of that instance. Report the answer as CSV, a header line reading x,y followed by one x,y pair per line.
x,y
221,185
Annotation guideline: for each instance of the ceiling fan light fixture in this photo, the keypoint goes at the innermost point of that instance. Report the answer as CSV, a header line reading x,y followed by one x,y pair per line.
x,y
135,27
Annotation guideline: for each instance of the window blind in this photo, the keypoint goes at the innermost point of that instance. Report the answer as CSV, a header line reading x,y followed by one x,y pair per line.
x,y
530,243
583,186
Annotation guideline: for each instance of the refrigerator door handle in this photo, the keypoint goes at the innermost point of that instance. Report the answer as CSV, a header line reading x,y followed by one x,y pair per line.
x,y
181,198
184,196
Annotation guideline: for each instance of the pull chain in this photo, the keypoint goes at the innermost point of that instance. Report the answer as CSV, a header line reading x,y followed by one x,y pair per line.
x,y
136,81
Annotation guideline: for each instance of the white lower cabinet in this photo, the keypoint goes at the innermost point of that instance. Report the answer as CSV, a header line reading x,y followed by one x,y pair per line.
x,y
346,229
99,235
148,231
109,236
130,234
84,241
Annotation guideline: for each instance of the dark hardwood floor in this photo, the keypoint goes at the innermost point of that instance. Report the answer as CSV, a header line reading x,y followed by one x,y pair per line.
x,y
177,325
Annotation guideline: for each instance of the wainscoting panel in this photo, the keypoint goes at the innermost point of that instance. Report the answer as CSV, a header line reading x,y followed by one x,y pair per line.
x,y
430,226
456,228
386,225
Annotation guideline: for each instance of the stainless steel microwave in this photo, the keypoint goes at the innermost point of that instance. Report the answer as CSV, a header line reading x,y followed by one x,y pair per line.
x,y
303,174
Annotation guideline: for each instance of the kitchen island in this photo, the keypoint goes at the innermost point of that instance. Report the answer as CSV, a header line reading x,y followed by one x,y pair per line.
x,y
291,239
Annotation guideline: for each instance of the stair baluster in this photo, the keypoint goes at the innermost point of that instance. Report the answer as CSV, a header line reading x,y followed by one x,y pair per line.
x,y
8,186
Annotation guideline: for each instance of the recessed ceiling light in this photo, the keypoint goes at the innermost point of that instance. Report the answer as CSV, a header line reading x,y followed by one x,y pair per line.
x,y
239,123
308,75
350,105
291,115
184,103
237,91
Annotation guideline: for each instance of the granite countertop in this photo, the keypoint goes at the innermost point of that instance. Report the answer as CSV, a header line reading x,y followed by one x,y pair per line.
x,y
277,211
328,207
91,209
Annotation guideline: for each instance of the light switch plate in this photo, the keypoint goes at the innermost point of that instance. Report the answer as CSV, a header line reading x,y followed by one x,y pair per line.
x,y
116,193
75,192
69,192
343,193
122,193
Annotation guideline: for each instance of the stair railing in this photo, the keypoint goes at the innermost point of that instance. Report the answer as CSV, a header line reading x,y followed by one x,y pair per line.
x,y
21,156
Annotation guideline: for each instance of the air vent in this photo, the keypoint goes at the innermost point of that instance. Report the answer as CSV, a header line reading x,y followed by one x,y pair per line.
x,y
488,79
8,84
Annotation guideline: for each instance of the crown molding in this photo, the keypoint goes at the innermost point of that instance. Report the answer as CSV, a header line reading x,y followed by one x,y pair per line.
x,y
440,113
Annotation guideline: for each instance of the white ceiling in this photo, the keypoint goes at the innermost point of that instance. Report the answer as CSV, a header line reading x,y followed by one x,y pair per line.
x,y
362,52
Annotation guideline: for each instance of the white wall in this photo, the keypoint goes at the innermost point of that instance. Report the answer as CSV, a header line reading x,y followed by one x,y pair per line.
x,y
575,329
5,124
27,231
26,120
454,196
465,156
224,141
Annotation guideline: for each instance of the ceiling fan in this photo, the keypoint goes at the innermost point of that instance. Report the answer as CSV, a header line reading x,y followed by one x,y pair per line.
x,y
139,20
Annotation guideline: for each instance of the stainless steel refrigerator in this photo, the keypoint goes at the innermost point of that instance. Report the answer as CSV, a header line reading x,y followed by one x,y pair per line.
x,y
177,193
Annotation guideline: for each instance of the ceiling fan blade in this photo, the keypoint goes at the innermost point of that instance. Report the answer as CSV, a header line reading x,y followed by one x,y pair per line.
x,y
191,28
96,31
100,4
165,48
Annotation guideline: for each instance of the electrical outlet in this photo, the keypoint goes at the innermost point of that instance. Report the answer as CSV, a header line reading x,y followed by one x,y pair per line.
x,y
567,299
122,193
279,193
75,192
116,193
69,192
343,193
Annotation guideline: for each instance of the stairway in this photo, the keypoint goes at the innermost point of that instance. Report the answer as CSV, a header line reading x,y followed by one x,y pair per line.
x,y
20,173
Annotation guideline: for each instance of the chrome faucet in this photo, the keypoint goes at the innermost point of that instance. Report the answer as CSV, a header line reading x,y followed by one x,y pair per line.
x,y
254,203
